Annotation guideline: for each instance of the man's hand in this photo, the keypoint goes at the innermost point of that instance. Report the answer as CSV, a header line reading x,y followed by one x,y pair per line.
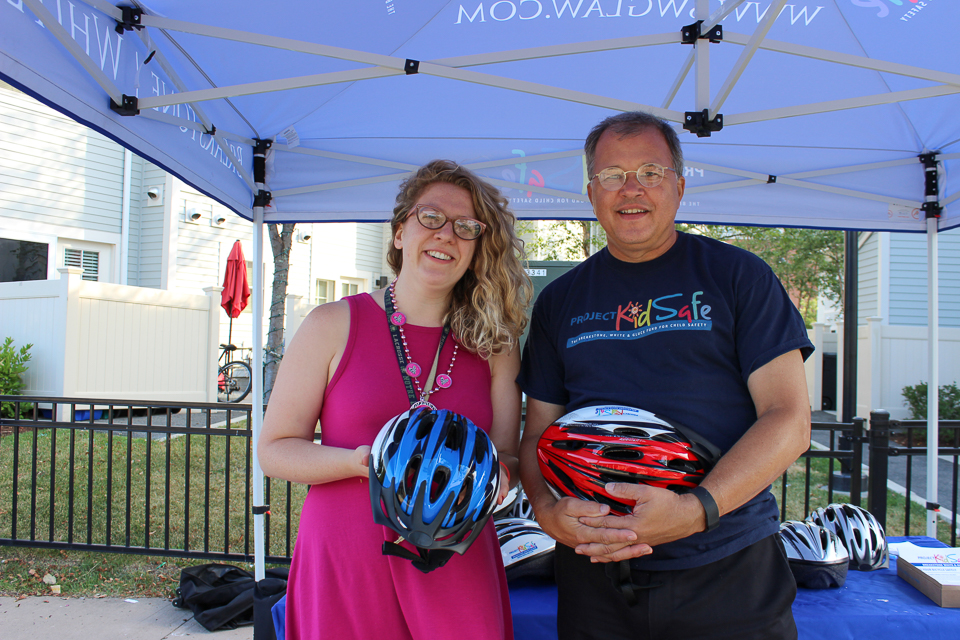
x,y
566,521
660,516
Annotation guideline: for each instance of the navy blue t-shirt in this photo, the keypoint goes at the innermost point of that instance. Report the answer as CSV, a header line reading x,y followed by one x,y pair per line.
x,y
679,336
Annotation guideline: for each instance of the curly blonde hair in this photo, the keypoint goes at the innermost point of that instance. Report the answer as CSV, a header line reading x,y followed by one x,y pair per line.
x,y
488,311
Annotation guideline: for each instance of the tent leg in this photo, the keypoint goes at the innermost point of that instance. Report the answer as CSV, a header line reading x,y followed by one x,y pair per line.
x,y
933,386
843,480
257,409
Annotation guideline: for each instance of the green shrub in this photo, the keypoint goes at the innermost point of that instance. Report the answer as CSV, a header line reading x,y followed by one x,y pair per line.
x,y
915,397
12,365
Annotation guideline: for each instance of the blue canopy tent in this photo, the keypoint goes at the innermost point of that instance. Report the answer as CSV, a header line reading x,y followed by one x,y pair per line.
x,y
837,114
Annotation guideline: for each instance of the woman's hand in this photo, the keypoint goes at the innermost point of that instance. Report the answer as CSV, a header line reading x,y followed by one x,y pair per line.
x,y
361,458
504,485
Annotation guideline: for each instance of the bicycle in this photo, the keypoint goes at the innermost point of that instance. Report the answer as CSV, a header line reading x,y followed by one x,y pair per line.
x,y
234,377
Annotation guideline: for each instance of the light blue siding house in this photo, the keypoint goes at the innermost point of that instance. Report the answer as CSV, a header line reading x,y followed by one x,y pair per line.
x,y
892,346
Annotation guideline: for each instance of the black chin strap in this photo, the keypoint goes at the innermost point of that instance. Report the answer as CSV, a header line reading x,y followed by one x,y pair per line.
x,y
425,560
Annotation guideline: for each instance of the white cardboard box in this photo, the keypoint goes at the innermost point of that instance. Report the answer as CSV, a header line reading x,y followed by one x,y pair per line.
x,y
934,571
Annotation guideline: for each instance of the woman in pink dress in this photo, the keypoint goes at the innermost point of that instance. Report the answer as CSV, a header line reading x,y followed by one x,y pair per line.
x,y
463,279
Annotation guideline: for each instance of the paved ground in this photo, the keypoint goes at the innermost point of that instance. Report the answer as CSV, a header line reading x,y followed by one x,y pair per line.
x,y
194,418
38,618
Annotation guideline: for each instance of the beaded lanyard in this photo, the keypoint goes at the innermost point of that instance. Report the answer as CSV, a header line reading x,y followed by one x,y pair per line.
x,y
410,371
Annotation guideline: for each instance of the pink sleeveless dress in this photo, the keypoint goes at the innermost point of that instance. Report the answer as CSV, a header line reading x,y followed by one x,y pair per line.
x,y
341,586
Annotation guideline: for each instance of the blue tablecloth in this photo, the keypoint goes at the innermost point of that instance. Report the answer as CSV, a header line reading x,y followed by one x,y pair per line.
x,y
876,604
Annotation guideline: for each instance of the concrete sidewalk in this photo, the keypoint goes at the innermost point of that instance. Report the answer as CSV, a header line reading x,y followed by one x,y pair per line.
x,y
44,617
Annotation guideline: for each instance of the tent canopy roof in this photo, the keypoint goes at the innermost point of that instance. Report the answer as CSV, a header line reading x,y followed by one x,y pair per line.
x,y
826,108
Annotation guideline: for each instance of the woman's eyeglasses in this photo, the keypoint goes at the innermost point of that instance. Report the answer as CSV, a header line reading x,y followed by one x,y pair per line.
x,y
433,219
649,175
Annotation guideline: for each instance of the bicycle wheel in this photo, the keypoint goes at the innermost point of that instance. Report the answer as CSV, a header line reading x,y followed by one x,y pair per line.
x,y
233,381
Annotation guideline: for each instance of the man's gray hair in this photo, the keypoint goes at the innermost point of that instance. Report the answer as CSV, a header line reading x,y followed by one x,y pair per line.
x,y
631,123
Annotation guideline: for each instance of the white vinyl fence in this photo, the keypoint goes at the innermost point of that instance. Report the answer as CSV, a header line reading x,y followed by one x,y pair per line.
x,y
889,358
98,340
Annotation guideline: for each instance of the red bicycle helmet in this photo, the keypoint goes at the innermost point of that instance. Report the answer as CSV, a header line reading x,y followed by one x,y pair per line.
x,y
589,447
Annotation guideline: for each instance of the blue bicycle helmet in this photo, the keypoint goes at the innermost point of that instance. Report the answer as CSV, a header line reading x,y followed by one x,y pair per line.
x,y
434,479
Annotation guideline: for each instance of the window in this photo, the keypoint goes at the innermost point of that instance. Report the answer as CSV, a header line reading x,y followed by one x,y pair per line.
x,y
349,289
21,260
89,261
324,292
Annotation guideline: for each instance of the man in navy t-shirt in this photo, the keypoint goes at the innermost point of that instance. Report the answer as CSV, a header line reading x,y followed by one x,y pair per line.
x,y
698,332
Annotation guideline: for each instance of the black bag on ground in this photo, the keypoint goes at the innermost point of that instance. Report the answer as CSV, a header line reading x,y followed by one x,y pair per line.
x,y
267,593
221,596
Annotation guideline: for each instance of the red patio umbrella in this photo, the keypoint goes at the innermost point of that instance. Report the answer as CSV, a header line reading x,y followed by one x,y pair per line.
x,y
236,288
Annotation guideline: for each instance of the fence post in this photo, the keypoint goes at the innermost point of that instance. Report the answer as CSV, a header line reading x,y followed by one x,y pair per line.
x,y
856,462
215,294
69,314
879,445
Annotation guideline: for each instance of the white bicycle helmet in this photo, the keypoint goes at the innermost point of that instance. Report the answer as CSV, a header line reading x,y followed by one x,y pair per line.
x,y
859,532
817,558
522,508
525,548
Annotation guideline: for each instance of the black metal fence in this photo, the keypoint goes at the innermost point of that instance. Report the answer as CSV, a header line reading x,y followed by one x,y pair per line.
x,y
151,478
841,446
901,445
175,479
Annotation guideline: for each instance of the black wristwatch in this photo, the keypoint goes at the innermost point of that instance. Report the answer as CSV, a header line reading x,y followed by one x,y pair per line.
x,y
709,507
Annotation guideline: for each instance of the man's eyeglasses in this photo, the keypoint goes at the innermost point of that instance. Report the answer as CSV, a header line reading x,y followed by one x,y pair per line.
x,y
433,219
649,175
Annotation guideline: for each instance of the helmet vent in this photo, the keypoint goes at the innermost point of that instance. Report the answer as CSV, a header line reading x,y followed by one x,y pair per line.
x,y
624,454
456,434
569,445
425,423
682,465
667,437
480,449
439,482
631,432
400,429
408,486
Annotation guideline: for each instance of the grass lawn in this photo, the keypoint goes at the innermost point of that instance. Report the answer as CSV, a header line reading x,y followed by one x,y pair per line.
x,y
143,509
90,574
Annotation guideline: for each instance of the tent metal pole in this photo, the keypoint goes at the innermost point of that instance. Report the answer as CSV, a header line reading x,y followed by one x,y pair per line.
x,y
843,480
933,386
257,411
850,321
